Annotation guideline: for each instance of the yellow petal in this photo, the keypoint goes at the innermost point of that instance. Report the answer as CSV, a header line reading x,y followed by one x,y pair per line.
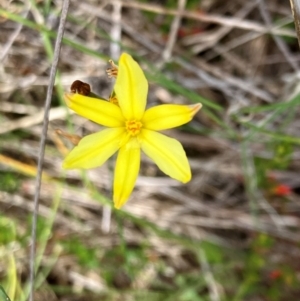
x,y
97,110
126,172
93,150
168,116
167,153
131,88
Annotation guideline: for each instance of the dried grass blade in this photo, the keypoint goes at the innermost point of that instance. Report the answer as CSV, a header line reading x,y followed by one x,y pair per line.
x,y
295,5
58,43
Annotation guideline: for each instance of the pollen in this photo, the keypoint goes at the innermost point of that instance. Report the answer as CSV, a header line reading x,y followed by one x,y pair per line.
x,y
133,127
113,100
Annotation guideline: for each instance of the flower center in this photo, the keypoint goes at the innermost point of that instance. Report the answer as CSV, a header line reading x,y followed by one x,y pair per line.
x,y
133,127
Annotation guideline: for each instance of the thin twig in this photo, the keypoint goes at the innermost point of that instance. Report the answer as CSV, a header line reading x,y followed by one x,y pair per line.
x,y
167,53
253,192
203,71
209,277
13,37
280,44
243,39
43,142
17,108
295,5
210,18
28,121
116,30
210,39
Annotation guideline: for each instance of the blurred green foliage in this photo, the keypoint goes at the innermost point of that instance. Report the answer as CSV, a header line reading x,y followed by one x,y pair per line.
x,y
3,296
9,181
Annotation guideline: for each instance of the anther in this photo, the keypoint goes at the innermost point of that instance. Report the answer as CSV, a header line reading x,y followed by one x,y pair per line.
x,y
133,127
113,70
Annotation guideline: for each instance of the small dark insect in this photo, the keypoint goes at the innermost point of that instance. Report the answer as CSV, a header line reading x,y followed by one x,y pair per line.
x,y
81,88
295,5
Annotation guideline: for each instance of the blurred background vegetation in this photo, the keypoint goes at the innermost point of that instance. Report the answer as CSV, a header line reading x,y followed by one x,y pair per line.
x,y
232,233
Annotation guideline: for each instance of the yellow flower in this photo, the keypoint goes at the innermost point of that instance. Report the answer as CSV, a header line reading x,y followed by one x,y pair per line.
x,y
130,129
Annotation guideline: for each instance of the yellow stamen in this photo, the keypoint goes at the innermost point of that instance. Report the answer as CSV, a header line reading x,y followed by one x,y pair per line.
x,y
133,127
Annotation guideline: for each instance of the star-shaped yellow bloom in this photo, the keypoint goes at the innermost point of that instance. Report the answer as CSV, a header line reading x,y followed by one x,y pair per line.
x,y
130,129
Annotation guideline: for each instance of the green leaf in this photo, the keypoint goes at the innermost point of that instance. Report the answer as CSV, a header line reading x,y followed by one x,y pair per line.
x,y
3,295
